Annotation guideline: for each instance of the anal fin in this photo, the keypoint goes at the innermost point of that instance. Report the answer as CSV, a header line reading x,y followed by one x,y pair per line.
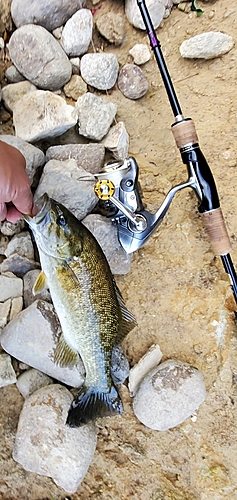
x,y
64,355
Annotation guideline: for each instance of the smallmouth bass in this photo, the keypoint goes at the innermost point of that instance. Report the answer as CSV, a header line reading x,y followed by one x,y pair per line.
x,y
88,303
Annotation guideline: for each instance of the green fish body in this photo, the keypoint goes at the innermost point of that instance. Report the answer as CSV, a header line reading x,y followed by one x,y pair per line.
x,y
88,303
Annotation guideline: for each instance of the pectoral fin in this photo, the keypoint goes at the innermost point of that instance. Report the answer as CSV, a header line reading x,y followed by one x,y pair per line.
x,y
64,355
40,284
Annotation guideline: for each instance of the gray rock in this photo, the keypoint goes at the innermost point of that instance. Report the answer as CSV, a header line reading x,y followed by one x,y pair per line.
x,y
18,265
13,75
5,308
156,10
206,45
168,395
32,380
77,33
119,365
10,286
29,280
14,91
140,53
11,228
48,14
5,18
34,157
39,57
90,157
111,26
117,141
100,70
4,240
75,87
75,62
132,81
95,115
32,336
22,245
106,235
42,114
16,307
45,445
72,186
7,374
147,362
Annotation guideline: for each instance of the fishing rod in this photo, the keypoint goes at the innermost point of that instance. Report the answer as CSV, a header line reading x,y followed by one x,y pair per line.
x,y
117,185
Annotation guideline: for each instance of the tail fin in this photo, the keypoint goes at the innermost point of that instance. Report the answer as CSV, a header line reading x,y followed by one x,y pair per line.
x,y
91,404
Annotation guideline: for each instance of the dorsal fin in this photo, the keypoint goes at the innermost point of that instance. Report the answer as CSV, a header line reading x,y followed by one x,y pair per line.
x,y
64,354
128,320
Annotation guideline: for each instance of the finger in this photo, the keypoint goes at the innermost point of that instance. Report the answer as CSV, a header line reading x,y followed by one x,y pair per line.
x,y
24,202
13,215
3,211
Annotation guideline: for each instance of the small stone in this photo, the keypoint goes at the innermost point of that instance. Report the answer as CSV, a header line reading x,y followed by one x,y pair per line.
x,y
117,141
21,244
3,244
95,115
39,57
77,33
75,87
32,380
16,307
140,53
13,75
10,286
206,45
70,185
18,265
4,312
57,33
75,62
90,157
149,361
100,70
7,374
111,27
51,14
14,91
168,395
156,10
132,81
119,365
42,114
11,228
45,445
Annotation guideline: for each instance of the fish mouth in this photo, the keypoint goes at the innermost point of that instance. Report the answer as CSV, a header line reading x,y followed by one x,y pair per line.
x,y
43,203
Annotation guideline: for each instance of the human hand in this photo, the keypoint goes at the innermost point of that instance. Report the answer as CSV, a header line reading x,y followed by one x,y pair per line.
x,y
15,193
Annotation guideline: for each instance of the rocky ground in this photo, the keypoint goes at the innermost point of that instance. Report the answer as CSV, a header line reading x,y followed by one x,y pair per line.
x,y
176,288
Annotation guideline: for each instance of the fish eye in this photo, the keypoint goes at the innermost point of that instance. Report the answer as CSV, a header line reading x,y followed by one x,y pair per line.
x,y
61,221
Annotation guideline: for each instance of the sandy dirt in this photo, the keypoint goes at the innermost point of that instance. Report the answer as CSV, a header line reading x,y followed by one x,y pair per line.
x,y
176,288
